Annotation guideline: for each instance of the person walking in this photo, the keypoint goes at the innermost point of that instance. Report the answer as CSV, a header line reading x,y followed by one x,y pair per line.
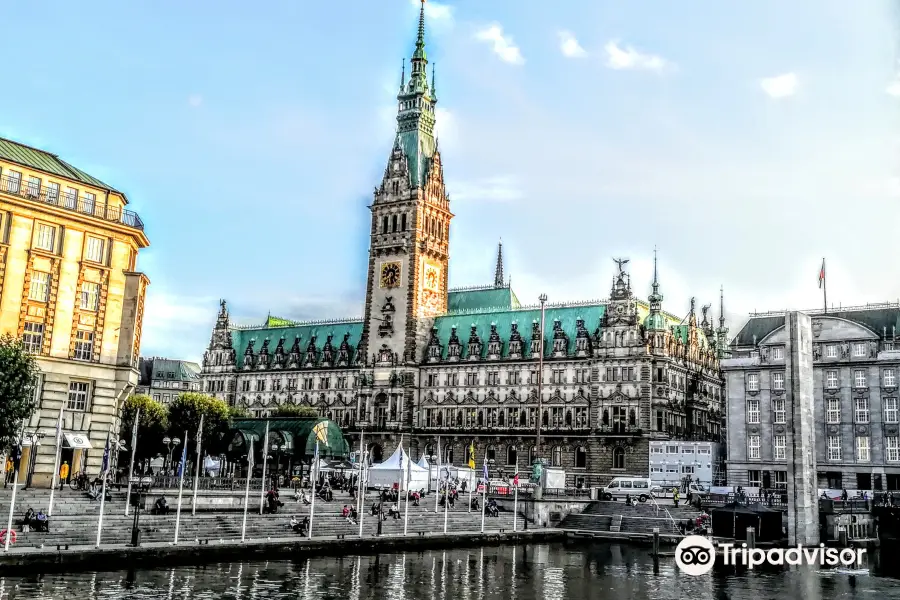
x,y
63,474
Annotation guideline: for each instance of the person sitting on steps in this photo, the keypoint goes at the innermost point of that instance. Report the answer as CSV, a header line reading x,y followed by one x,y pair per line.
x,y
28,520
628,500
160,507
41,522
295,524
393,511
492,508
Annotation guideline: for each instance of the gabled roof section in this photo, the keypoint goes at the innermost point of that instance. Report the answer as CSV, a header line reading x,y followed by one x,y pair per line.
x,y
40,160
481,298
290,330
880,318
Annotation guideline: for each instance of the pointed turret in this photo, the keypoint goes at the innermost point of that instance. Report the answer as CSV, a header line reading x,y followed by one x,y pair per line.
x,y
498,271
655,320
722,330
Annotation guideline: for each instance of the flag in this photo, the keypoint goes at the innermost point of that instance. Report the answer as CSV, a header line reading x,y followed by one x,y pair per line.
x,y
822,274
516,480
472,455
183,458
321,431
250,457
106,450
199,433
485,469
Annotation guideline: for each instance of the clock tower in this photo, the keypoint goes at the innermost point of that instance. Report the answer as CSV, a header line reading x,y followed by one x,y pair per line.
x,y
409,249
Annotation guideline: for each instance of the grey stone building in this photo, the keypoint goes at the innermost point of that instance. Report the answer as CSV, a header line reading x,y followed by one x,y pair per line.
x,y
473,366
164,378
856,363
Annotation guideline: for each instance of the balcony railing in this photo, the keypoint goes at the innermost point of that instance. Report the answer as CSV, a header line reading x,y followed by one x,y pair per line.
x,y
71,202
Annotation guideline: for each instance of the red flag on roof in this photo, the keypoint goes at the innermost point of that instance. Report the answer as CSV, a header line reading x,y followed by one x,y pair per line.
x,y
822,274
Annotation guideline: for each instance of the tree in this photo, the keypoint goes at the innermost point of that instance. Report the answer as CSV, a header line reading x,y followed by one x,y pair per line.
x,y
236,412
152,426
295,410
18,375
184,415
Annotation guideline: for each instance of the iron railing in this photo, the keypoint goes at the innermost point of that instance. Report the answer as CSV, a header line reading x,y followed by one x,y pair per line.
x,y
68,201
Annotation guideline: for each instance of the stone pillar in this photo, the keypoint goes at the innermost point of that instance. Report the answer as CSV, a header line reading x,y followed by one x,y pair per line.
x,y
803,502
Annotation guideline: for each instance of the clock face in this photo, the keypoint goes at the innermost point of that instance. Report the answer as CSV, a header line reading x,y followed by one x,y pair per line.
x,y
390,275
432,278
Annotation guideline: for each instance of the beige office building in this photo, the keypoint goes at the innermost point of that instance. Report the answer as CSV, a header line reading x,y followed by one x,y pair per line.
x,y
69,289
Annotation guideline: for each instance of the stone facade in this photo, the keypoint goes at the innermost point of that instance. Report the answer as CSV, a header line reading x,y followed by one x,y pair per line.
x,y
856,363
596,381
69,290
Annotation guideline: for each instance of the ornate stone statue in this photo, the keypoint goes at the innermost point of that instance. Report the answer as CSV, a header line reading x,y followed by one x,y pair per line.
x,y
537,471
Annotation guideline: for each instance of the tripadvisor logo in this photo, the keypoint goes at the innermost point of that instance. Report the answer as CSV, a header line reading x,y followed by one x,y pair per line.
x,y
696,555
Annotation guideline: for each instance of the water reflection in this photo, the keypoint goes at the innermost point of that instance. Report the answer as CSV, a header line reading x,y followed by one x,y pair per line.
x,y
549,572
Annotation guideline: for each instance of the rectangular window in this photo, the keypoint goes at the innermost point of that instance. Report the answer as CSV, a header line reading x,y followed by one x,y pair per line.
x,y
514,378
778,380
862,449
78,395
862,410
656,450
778,410
753,447
40,286
892,448
93,249
90,295
753,411
781,480
471,379
833,410
33,337
890,378
753,382
432,380
859,378
84,345
834,447
754,478
859,349
890,410
493,378
831,380
71,198
780,447
45,237
52,192
778,353
831,351
13,181
34,186
88,202
558,376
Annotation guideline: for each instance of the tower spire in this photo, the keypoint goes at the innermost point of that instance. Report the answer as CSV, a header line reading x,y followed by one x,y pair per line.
x,y
655,274
420,38
403,74
498,272
655,297
722,307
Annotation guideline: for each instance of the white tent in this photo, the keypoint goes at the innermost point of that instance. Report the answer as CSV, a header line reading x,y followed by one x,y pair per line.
x,y
393,471
423,462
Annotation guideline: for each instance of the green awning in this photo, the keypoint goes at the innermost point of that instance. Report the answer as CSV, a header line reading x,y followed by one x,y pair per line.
x,y
296,435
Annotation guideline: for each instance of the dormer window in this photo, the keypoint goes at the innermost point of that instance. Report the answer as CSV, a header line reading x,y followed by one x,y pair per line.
x,y
778,353
859,349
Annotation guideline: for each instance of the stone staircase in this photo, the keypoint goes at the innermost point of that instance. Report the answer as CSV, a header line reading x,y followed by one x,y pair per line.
x,y
75,519
601,516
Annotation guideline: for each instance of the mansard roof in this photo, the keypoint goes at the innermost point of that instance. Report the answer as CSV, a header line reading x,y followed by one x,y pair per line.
x,y
482,298
883,319
274,329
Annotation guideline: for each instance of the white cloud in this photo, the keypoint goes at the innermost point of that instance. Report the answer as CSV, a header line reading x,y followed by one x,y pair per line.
x,y
780,86
435,11
489,189
626,57
445,127
503,45
195,100
569,45
173,324
894,89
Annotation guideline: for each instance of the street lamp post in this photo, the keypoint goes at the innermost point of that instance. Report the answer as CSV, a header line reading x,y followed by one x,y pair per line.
x,y
35,439
537,449
277,448
170,444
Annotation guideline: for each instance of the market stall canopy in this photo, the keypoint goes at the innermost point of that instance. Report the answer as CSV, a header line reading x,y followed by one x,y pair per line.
x,y
393,471
294,437
423,462
733,519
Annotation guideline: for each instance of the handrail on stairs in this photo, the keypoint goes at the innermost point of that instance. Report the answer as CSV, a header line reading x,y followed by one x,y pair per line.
x,y
666,510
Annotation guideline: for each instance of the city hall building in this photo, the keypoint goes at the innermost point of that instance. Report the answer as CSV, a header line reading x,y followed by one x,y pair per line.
x,y
594,381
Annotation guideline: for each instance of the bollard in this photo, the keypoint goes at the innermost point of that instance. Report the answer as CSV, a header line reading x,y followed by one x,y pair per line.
x,y
751,538
656,542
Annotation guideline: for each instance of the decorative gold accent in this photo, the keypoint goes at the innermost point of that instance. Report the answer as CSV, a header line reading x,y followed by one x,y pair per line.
x,y
390,274
432,278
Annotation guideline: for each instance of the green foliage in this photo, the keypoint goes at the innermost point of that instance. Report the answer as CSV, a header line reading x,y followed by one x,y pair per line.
x,y
236,412
152,426
184,415
295,410
18,374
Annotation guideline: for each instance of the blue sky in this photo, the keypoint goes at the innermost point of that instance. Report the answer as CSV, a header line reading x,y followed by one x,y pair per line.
x,y
745,140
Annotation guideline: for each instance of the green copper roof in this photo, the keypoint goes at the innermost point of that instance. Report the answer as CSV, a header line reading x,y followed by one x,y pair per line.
x,y
242,337
481,298
567,315
297,433
39,160
655,321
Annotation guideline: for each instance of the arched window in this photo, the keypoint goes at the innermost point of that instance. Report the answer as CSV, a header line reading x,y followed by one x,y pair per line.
x,y
619,458
429,451
531,455
580,458
512,455
491,453
557,456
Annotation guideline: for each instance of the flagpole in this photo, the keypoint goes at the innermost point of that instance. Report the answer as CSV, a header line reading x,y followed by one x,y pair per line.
x,y
824,286
12,502
484,496
183,468
134,429
197,472
103,489
56,462
247,491
262,496
406,508
312,505
446,500
360,490
516,496
437,478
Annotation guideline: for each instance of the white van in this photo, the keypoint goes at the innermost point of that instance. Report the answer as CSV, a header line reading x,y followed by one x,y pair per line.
x,y
639,488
